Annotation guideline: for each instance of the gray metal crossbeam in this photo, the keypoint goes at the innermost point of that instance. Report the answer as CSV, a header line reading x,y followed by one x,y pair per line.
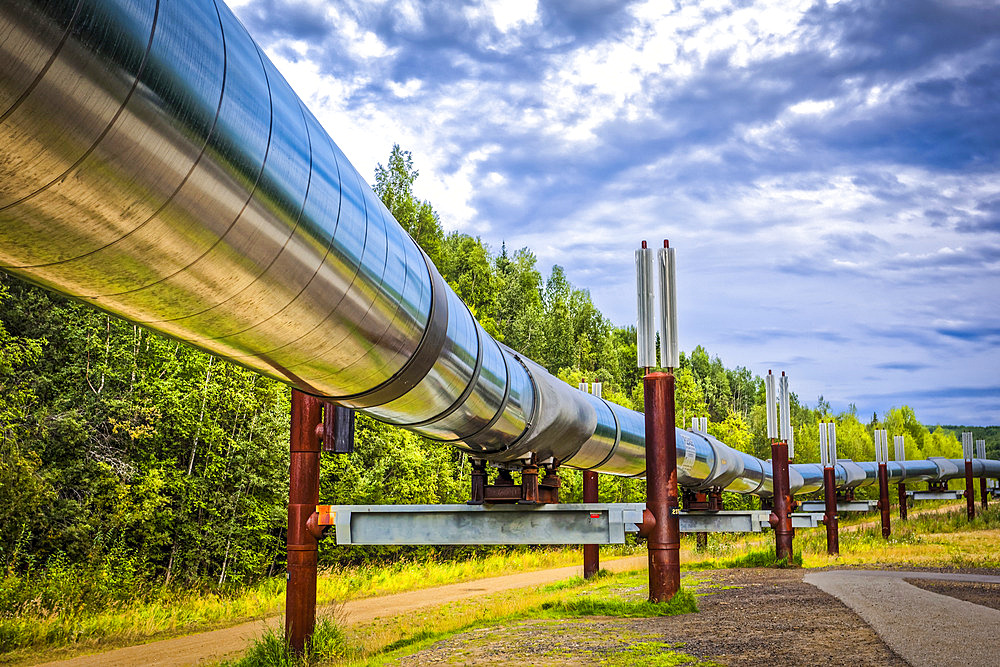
x,y
748,521
582,523
934,495
806,519
842,506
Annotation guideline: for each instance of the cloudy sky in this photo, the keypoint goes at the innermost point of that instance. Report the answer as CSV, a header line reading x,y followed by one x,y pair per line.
x,y
829,172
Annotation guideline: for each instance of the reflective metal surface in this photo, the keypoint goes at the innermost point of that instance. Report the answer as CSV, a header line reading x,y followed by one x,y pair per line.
x,y
155,164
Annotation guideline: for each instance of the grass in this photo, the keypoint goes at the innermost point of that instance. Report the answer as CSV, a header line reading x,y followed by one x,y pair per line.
x,y
751,556
66,633
271,650
655,654
682,603
944,539
931,539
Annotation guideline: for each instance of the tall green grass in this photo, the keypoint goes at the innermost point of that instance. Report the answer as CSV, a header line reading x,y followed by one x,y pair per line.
x,y
271,650
751,557
683,602
42,610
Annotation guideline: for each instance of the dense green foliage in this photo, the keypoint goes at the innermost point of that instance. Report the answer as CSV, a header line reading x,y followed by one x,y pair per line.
x,y
129,461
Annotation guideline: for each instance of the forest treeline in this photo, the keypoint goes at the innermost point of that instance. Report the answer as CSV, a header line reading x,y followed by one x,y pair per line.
x,y
129,461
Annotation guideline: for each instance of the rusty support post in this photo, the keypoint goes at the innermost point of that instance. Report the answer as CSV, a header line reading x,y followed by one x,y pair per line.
x,y
529,484
591,552
303,495
830,518
478,478
781,517
982,492
661,487
970,491
902,501
883,499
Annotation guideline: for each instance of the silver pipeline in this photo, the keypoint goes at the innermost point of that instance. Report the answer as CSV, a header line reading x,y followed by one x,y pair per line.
x,y
156,165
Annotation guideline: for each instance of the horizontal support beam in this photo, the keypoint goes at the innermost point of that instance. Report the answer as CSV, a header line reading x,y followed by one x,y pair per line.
x,y
842,506
934,495
582,523
806,519
749,521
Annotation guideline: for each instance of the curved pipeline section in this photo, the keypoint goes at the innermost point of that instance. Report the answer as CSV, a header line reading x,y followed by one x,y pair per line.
x,y
155,164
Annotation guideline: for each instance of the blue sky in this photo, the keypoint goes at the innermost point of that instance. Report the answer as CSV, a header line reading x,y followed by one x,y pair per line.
x,y
829,172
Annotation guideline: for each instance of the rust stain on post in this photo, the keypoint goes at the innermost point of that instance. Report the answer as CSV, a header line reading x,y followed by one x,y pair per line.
x,y
783,531
902,501
970,491
303,495
830,519
883,499
661,487
591,552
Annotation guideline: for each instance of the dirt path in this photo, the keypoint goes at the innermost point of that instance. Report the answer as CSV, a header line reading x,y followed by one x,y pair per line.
x,y
208,647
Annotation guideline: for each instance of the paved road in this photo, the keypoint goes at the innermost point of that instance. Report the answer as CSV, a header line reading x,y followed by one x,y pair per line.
x,y
922,627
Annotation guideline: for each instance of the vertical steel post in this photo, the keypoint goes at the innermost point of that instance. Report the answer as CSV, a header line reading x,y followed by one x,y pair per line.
x,y
883,499
661,487
303,495
781,518
830,519
982,492
902,501
591,552
970,491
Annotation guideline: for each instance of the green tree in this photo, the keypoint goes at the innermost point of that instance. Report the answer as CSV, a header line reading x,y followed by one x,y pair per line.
x,y
394,186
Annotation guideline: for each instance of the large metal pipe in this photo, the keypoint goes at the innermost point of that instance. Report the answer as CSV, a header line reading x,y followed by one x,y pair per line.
x,y
155,164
